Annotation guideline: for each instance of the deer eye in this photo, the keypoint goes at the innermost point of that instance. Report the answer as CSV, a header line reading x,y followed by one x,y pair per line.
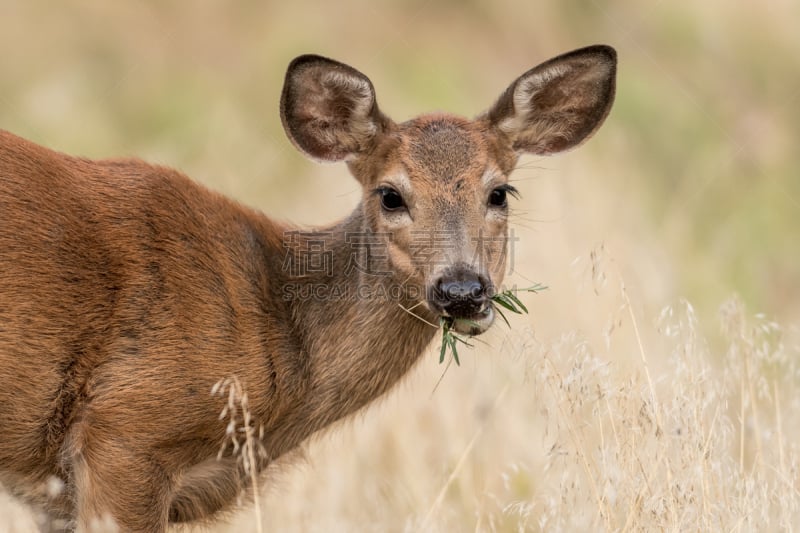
x,y
498,198
499,195
391,199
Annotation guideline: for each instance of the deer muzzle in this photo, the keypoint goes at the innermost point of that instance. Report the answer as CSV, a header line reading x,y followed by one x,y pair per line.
x,y
465,296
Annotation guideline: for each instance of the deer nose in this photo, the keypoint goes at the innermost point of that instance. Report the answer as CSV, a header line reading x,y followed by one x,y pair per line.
x,y
460,294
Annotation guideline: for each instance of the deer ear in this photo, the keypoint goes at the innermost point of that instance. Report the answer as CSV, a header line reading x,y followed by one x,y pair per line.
x,y
558,104
328,109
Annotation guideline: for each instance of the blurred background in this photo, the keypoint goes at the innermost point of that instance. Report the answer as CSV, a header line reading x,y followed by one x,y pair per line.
x,y
689,192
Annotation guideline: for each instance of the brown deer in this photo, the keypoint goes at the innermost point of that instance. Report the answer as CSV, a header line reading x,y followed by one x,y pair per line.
x,y
127,291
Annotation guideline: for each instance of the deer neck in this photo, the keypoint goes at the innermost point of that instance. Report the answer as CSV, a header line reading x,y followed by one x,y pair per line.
x,y
351,317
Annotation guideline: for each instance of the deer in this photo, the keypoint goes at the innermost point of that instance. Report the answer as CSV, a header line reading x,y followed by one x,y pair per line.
x,y
128,291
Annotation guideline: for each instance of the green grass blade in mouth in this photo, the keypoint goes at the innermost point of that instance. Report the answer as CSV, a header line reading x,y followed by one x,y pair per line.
x,y
506,299
509,299
502,299
503,316
450,339
513,298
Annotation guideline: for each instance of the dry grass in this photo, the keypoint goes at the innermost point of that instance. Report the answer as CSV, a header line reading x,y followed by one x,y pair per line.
x,y
573,441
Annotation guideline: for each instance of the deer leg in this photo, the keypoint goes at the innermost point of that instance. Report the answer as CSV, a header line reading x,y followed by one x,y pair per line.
x,y
206,489
118,490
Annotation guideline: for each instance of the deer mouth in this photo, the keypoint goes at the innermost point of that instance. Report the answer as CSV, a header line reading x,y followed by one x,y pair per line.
x,y
462,299
474,324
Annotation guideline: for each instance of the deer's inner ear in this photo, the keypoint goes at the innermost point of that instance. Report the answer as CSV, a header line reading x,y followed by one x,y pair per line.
x,y
558,104
328,109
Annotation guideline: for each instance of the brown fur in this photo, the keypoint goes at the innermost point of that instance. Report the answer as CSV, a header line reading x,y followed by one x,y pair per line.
x,y
127,291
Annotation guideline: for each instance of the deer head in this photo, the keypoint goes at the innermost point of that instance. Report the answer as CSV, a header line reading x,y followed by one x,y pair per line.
x,y
435,188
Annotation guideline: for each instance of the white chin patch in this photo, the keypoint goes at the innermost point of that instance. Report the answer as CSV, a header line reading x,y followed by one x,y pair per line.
x,y
474,325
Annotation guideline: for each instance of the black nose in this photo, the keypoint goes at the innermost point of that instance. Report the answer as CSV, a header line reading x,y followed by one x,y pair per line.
x,y
460,293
